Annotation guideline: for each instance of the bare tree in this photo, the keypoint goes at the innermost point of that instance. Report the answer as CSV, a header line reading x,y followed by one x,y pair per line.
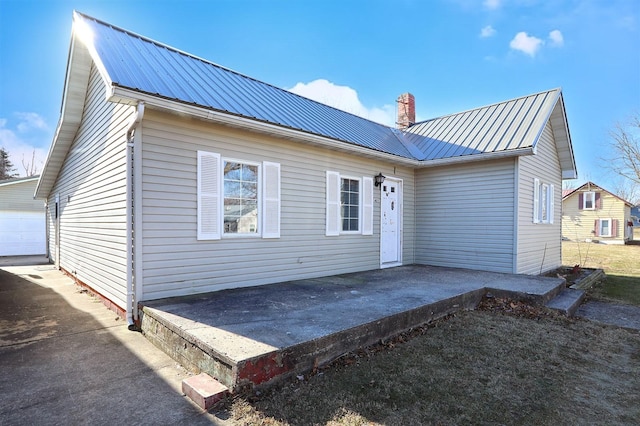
x,y
624,143
627,190
30,168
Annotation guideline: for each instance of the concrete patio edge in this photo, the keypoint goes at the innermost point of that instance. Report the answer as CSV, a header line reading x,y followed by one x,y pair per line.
x,y
242,359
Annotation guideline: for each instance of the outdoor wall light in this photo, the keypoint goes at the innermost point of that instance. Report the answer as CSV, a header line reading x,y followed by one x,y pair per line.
x,y
378,179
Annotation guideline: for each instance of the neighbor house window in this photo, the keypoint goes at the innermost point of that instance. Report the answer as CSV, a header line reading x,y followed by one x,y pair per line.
x,y
240,187
543,204
237,197
350,204
589,200
604,227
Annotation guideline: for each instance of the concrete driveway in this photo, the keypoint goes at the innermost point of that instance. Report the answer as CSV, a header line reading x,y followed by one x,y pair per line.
x,y
66,359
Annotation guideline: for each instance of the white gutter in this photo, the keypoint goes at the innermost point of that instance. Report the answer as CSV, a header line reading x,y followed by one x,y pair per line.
x,y
133,165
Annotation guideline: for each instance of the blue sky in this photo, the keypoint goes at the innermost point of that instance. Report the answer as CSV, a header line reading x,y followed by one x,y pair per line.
x,y
453,55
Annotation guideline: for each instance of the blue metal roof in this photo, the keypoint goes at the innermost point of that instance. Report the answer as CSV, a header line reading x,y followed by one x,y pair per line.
x,y
138,63
146,66
509,125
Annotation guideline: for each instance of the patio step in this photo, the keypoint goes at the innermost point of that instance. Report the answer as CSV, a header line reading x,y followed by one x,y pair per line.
x,y
567,301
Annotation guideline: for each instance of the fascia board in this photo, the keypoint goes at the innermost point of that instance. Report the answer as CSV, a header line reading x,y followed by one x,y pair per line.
x,y
77,74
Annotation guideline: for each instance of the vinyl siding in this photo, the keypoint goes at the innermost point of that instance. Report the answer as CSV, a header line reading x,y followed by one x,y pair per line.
x,y
176,263
92,190
464,216
539,244
18,197
578,225
22,219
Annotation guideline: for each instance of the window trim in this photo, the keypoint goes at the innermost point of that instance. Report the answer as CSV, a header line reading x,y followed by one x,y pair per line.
x,y
610,222
259,200
548,189
333,212
210,198
584,200
360,190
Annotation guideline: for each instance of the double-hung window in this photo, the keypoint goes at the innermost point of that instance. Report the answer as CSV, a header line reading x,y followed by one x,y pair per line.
x,y
237,197
349,205
543,203
604,227
588,200
240,188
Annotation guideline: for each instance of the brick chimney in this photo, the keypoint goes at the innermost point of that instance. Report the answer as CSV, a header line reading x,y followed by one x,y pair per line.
x,y
406,110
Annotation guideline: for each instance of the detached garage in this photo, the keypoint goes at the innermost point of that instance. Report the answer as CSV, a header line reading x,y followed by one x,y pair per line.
x,y
22,219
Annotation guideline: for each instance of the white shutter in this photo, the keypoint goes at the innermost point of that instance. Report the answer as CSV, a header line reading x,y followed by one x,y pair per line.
x,y
209,196
271,200
367,206
551,203
333,204
536,200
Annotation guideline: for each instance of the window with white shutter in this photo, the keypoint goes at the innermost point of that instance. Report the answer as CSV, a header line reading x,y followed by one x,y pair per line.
x,y
237,198
333,204
208,194
271,197
367,206
349,208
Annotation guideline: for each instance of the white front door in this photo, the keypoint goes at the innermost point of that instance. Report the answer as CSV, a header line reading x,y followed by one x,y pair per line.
x,y
390,223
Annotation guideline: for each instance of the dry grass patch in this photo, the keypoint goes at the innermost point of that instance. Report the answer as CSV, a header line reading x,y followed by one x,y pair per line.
x,y
619,262
476,367
613,259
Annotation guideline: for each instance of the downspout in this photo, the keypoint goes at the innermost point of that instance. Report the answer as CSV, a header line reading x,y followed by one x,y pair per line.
x,y
132,165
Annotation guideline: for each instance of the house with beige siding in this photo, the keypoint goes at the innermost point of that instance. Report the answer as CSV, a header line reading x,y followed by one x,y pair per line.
x,y
591,213
170,175
22,218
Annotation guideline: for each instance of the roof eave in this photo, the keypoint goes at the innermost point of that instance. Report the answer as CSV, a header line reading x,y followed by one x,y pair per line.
x,y
131,97
81,56
559,123
589,184
18,180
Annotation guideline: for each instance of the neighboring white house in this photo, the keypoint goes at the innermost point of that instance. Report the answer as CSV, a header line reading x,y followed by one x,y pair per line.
x,y
591,213
170,175
22,218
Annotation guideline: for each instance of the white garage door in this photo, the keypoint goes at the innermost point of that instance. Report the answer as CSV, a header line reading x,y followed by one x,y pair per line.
x,y
22,233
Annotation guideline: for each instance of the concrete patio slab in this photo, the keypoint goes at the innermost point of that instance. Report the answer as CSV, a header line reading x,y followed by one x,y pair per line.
x,y
256,336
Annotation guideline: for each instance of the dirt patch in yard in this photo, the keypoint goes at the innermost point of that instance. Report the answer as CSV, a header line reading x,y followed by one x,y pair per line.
x,y
577,276
505,363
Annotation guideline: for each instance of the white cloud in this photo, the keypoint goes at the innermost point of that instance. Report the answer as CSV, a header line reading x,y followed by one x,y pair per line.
x,y
557,40
344,98
487,31
526,43
492,4
22,149
29,121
